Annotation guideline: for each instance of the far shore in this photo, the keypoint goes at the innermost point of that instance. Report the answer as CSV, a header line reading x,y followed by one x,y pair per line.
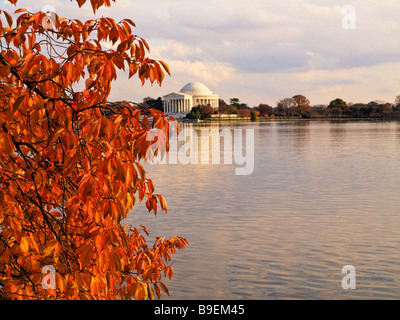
x,y
283,119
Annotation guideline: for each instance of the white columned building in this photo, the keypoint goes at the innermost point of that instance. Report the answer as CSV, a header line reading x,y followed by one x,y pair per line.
x,y
178,104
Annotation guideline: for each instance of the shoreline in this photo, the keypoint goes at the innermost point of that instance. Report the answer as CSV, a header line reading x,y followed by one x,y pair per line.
x,y
214,120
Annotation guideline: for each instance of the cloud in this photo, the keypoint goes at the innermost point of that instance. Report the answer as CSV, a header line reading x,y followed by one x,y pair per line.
x,y
263,50
275,37
359,84
212,73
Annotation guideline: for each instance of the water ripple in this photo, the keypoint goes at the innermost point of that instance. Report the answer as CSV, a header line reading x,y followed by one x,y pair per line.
x,y
323,195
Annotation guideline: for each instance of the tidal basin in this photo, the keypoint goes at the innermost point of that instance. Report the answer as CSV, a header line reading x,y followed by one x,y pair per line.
x,y
322,195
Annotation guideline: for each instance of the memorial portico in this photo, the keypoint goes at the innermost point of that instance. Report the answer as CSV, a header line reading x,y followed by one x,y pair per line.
x,y
193,94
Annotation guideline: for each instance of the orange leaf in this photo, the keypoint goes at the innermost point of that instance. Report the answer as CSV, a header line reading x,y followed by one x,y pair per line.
x,y
4,70
165,66
100,242
141,291
164,288
151,292
130,22
163,202
158,291
24,245
141,170
85,189
85,254
136,114
38,17
20,10
13,288
170,272
6,144
150,185
49,248
89,83
122,46
9,18
80,2
17,103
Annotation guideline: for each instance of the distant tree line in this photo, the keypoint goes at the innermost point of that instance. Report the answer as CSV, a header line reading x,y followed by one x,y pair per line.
x,y
297,106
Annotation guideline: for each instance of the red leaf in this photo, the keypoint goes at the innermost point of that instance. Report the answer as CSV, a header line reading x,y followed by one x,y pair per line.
x,y
164,288
85,254
85,189
24,245
100,243
89,83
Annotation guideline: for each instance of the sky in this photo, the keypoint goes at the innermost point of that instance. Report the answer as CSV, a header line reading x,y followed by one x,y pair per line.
x,y
261,51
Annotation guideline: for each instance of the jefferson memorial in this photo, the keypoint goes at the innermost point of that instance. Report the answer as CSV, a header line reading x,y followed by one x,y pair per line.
x,y
178,104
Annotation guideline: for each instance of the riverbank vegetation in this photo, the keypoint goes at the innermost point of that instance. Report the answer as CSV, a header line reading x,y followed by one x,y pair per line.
x,y
299,107
296,107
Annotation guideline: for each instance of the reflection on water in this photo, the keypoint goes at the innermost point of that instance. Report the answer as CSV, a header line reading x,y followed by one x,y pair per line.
x,y
322,195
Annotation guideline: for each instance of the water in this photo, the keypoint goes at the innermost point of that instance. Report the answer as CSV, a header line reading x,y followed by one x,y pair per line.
x,y
322,195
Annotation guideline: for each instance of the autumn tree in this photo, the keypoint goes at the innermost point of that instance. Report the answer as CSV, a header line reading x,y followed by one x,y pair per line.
x,y
285,107
228,109
302,105
264,109
222,105
385,109
69,174
245,113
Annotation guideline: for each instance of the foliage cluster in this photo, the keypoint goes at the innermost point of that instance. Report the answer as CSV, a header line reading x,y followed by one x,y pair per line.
x,y
69,174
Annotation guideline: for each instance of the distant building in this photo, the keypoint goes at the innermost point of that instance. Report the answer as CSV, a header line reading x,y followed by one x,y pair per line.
x,y
191,95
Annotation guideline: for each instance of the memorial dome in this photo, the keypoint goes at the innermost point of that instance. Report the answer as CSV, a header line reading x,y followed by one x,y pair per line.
x,y
196,89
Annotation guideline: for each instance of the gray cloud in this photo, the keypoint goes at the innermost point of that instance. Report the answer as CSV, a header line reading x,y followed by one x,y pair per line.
x,y
270,49
276,38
